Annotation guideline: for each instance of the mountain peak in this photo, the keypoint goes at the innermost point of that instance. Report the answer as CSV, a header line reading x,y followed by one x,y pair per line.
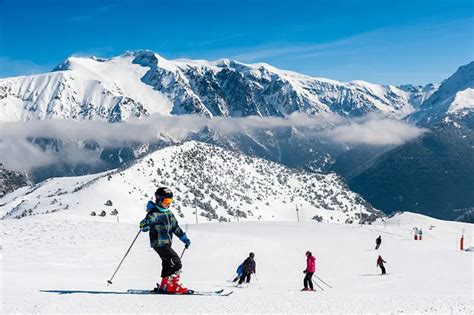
x,y
141,54
454,97
70,61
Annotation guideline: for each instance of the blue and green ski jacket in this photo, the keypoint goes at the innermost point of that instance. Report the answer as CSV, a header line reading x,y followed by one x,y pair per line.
x,y
163,225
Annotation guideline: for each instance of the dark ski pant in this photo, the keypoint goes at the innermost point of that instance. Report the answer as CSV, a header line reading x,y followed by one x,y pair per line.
x,y
245,276
377,246
383,269
170,261
308,280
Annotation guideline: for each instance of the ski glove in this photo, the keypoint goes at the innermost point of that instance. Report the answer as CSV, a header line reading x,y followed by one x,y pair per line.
x,y
185,240
144,227
187,243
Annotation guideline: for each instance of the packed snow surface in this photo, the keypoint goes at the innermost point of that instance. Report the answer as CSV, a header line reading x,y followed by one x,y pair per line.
x,y
53,252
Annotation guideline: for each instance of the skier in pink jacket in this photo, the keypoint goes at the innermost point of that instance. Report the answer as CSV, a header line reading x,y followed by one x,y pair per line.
x,y
309,271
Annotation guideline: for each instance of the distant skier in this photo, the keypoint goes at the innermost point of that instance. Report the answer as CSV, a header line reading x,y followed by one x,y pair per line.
x,y
239,271
378,241
249,267
162,224
309,271
380,263
420,234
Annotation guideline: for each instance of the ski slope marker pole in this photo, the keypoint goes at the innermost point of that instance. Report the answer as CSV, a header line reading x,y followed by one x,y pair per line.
x,y
110,281
323,281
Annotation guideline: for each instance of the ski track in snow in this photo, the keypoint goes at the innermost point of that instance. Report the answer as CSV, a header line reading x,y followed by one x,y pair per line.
x,y
429,276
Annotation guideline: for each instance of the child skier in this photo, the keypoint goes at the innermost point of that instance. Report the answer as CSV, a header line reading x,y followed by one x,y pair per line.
x,y
162,224
378,241
249,267
380,263
309,271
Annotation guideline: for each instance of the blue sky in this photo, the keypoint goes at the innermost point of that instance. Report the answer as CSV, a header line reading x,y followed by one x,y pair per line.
x,y
380,41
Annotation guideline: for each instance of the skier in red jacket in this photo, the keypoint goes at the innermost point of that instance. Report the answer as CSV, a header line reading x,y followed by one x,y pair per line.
x,y
309,271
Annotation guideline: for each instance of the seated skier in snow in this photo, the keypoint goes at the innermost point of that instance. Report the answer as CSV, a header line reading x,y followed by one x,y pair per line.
x,y
162,224
249,267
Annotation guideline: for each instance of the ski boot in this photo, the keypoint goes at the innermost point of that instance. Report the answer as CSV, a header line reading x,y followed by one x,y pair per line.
x,y
163,286
175,287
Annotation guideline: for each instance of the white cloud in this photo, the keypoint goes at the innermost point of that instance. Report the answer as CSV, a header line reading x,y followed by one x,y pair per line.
x,y
17,153
22,156
375,132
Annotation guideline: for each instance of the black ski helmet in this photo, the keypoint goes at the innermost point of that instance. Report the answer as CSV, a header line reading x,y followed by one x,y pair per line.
x,y
163,192
308,253
252,255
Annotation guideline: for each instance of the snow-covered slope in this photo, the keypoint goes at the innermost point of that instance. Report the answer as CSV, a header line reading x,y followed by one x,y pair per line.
x,y
225,185
430,276
140,83
454,99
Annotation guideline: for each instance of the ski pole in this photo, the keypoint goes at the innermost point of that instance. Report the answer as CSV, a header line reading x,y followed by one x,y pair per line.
x,y
323,281
317,284
185,246
235,277
110,281
256,278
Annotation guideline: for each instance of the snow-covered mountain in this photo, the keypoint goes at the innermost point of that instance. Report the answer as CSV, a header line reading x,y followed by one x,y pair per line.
x,y
88,88
453,100
140,83
432,174
224,186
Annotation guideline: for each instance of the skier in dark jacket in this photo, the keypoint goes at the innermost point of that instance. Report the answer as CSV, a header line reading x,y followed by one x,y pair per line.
x,y
161,224
309,271
378,241
380,262
249,267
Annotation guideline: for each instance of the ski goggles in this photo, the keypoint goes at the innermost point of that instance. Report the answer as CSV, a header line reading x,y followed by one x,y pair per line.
x,y
167,201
